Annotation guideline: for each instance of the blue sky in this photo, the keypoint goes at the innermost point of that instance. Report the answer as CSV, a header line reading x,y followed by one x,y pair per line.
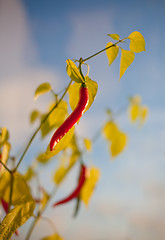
x,y
36,39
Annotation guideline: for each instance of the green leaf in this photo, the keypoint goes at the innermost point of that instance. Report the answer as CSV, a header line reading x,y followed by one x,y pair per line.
x,y
114,36
34,115
73,72
42,89
137,42
63,143
74,93
127,58
112,52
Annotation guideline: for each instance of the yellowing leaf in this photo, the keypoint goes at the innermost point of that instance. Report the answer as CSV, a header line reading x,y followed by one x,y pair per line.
x,y
127,58
60,174
88,144
114,36
143,113
73,71
21,200
74,92
112,52
29,174
137,42
89,185
42,89
118,144
53,237
5,153
63,143
134,112
135,99
110,130
55,119
4,135
34,115
65,166
15,218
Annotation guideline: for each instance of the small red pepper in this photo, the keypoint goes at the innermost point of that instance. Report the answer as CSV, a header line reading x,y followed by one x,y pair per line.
x,y
76,192
73,117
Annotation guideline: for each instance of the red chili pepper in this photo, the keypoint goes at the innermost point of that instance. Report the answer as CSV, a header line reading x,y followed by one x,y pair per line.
x,y
76,192
73,117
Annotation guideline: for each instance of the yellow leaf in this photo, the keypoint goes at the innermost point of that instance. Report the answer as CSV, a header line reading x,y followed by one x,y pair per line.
x,y
63,143
60,174
4,135
29,174
127,58
137,42
89,185
112,52
135,99
73,72
143,113
53,237
15,218
74,92
114,36
110,130
55,119
118,144
134,112
42,89
88,144
21,200
5,153
34,115
65,166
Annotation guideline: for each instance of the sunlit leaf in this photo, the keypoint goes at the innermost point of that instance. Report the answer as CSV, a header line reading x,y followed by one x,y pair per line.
x,y
73,72
112,52
134,112
88,144
89,185
118,144
127,58
74,92
137,42
21,200
34,115
55,119
53,237
110,130
5,153
64,167
42,89
114,36
4,135
29,174
143,114
63,143
15,218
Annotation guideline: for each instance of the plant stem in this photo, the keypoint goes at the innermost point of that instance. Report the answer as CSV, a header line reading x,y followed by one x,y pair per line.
x,y
11,190
113,45
37,130
40,213
5,167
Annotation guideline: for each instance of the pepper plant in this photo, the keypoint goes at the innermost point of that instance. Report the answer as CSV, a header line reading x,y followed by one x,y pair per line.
x,y
16,198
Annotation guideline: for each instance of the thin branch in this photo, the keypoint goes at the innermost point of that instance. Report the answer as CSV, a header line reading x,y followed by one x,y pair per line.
x,y
37,130
5,167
